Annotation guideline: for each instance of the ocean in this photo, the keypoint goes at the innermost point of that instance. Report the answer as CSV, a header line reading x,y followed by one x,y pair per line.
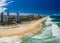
x,y
51,34
56,19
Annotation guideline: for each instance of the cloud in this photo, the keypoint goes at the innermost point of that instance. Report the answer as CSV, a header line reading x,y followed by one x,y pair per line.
x,y
4,3
2,9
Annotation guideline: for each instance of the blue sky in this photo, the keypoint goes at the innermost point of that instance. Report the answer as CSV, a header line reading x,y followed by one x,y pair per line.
x,y
35,6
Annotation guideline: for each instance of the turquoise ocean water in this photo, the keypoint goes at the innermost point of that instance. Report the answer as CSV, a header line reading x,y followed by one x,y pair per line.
x,y
51,34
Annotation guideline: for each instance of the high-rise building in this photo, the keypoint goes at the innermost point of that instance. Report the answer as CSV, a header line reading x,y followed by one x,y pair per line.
x,y
18,18
32,15
2,16
39,16
8,17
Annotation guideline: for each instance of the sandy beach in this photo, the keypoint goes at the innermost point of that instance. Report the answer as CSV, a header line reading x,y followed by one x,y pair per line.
x,y
20,29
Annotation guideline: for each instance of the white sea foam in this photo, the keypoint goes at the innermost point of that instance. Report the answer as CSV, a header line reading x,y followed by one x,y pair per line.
x,y
52,29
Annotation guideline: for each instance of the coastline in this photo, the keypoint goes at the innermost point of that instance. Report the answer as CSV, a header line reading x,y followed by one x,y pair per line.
x,y
34,25
21,34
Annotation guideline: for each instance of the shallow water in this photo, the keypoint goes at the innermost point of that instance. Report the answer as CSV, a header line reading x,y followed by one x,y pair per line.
x,y
51,34
48,40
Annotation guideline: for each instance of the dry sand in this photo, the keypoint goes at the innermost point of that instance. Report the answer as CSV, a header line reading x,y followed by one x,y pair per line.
x,y
20,29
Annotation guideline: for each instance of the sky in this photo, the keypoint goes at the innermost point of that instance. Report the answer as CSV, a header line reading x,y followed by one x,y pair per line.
x,y
35,6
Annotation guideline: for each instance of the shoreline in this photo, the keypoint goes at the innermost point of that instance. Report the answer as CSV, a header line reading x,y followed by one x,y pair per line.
x,y
21,29
22,35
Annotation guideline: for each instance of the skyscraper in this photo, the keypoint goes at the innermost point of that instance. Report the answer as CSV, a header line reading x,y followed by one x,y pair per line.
x,y
18,18
2,16
8,18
